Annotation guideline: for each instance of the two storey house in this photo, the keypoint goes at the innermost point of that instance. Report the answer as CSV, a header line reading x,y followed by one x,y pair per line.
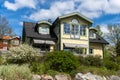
x,y
71,32
7,41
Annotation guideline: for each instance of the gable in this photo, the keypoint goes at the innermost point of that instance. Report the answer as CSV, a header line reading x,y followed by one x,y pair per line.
x,y
78,15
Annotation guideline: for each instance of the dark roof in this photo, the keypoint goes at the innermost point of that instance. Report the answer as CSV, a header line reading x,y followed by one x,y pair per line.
x,y
98,39
30,31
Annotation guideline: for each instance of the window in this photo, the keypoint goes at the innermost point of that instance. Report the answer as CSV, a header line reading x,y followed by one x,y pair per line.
x,y
5,48
76,50
92,35
5,42
91,51
15,42
75,31
75,21
66,28
83,30
44,30
42,47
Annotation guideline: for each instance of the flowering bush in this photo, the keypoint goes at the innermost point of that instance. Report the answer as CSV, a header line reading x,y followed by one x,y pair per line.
x,y
22,54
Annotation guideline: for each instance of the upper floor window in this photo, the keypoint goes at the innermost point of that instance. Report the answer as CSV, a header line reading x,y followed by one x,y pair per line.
x,y
44,30
5,42
15,42
75,31
75,21
66,28
83,30
92,35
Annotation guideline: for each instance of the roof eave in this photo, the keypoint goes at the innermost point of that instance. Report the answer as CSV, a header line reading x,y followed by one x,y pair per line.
x,y
45,22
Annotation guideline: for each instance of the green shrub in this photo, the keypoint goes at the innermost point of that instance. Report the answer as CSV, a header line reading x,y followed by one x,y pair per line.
x,y
52,72
1,60
37,68
93,61
111,65
15,72
81,60
22,54
118,60
61,61
90,61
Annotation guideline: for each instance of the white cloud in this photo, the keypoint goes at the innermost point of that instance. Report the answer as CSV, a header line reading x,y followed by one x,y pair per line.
x,y
104,29
20,4
112,7
89,8
21,23
56,9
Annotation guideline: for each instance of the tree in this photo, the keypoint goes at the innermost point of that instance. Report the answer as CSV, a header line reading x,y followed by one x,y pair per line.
x,y
118,49
114,36
99,32
5,29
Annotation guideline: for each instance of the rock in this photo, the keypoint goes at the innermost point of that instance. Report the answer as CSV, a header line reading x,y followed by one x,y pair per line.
x,y
115,77
79,76
62,77
104,78
46,77
88,76
36,77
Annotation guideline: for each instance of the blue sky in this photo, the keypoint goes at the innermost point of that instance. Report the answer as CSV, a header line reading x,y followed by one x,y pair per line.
x,y
102,12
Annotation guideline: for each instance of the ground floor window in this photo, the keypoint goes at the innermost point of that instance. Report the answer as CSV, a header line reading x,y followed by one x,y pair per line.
x,y
76,50
91,51
42,47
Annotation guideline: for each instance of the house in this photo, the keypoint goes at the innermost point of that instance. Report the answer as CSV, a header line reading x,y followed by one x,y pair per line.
x,y
7,41
71,32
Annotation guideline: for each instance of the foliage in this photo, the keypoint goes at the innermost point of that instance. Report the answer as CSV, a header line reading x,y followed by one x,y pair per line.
x,y
111,65
118,48
61,61
22,54
1,60
118,60
91,61
79,50
15,72
95,70
114,35
5,29
38,68
99,32
52,72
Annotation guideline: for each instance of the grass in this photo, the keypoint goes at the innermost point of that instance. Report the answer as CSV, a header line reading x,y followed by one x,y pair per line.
x,y
15,72
102,71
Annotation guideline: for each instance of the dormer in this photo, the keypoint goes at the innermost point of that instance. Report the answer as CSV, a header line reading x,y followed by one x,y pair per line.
x,y
92,33
43,27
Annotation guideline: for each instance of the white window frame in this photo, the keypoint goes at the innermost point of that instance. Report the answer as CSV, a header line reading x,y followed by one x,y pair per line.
x,y
5,48
67,28
15,42
43,31
93,35
91,51
83,31
73,33
5,42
